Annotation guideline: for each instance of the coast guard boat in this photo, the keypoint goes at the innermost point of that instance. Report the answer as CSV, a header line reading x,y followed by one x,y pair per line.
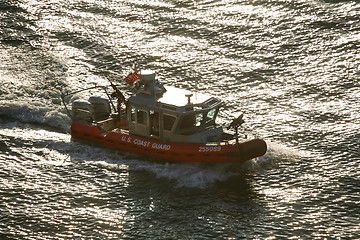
x,y
170,124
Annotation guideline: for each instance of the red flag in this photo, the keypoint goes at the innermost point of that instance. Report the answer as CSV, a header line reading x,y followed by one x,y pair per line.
x,y
131,78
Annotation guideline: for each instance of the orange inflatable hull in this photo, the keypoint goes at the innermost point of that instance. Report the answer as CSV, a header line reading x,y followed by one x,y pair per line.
x,y
171,152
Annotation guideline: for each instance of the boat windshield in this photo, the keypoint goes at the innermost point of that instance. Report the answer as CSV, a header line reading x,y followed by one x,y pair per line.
x,y
210,116
191,123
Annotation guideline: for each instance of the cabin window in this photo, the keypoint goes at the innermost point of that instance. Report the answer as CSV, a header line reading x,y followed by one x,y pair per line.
x,y
187,121
154,123
198,119
210,116
190,122
141,117
168,122
132,114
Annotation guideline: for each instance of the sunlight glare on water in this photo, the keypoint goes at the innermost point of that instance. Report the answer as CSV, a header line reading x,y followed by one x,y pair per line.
x,y
291,67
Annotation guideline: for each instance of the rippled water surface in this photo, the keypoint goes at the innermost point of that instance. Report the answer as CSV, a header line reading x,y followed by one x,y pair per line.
x,y
291,66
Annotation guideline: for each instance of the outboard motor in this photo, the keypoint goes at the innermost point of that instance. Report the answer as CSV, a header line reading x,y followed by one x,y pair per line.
x,y
82,111
101,108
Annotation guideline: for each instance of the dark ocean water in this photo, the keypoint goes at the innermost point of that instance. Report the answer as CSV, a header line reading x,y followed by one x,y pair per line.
x,y
291,66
